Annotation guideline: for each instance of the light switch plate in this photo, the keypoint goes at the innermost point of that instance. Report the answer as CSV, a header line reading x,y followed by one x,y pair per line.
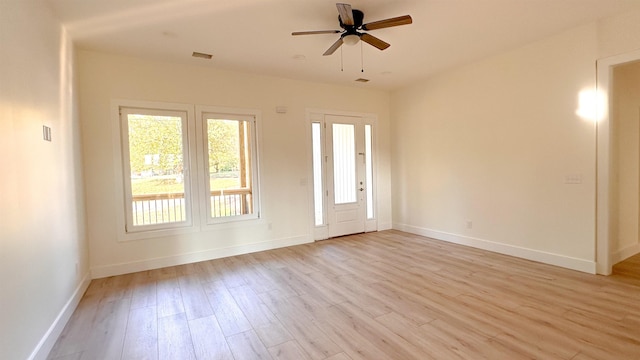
x,y
46,133
573,179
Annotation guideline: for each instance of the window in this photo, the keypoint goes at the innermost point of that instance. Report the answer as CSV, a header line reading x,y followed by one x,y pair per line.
x,y
318,185
368,150
229,165
181,170
156,183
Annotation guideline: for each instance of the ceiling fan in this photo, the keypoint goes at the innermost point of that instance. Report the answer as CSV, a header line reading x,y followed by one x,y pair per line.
x,y
353,29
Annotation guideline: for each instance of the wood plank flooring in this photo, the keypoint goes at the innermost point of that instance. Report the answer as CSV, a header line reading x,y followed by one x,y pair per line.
x,y
385,295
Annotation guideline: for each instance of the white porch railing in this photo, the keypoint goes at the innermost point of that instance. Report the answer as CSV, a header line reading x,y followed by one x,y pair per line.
x,y
150,209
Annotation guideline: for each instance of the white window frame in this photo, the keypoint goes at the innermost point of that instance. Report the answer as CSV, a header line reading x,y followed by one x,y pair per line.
x,y
121,170
130,227
193,164
252,117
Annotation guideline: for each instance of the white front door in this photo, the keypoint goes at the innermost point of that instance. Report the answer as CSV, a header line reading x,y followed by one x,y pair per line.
x,y
345,150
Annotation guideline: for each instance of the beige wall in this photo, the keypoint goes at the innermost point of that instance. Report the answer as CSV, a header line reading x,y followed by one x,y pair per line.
x,y
619,34
625,177
494,143
485,154
43,249
480,156
284,158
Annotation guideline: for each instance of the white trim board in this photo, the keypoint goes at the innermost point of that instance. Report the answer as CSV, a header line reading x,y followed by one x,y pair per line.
x,y
625,253
49,339
506,249
321,232
384,226
187,258
604,87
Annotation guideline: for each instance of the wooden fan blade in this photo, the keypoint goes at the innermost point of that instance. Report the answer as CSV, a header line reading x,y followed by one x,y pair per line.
x,y
396,21
346,14
315,32
372,40
333,47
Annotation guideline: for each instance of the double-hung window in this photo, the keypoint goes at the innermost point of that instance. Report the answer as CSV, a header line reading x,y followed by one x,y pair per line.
x,y
181,170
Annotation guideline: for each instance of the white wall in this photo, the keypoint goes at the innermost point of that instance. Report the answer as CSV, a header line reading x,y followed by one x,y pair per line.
x,y
43,250
493,143
619,34
625,175
284,158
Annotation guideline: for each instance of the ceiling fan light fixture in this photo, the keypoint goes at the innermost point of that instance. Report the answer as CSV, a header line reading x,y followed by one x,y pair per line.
x,y
351,39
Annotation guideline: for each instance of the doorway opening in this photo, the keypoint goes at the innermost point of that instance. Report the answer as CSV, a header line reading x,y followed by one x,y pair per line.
x,y
618,203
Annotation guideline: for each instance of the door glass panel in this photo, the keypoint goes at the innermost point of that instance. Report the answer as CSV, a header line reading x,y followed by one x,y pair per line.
x,y
369,170
317,173
344,163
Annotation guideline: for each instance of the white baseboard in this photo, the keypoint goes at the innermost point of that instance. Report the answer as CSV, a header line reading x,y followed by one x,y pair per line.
x,y
49,339
385,226
625,253
506,249
187,258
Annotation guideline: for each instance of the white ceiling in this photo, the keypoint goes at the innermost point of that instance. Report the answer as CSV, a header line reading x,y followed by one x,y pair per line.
x,y
255,35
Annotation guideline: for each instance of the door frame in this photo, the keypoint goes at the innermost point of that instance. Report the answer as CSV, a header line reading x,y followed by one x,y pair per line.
x,y
321,232
604,86
339,218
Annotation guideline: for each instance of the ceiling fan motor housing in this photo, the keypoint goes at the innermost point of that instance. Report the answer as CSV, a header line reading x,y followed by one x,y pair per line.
x,y
358,18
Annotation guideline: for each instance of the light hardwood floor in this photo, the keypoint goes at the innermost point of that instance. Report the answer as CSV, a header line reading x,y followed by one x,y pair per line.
x,y
386,295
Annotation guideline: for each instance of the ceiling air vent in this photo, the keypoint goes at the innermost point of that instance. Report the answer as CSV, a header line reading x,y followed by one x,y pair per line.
x,y
202,55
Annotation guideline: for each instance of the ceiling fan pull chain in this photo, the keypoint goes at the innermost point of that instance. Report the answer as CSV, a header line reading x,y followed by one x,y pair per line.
x,y
361,58
341,62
